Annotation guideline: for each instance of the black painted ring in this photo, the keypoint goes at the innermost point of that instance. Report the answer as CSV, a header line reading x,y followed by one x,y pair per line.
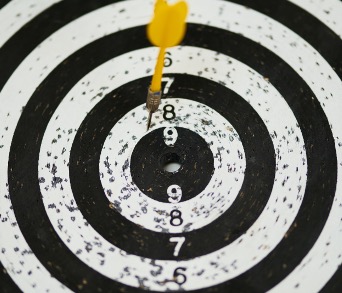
x,y
252,198
320,157
151,154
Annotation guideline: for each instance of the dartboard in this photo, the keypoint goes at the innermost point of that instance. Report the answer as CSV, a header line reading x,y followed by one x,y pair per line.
x,y
235,187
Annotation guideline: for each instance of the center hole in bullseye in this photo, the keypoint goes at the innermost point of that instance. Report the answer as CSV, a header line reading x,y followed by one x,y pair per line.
x,y
171,162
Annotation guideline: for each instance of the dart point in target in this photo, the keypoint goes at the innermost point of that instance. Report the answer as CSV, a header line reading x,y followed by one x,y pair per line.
x,y
167,29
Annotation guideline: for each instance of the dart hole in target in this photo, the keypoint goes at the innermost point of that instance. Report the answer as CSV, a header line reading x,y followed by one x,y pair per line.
x,y
171,156
171,162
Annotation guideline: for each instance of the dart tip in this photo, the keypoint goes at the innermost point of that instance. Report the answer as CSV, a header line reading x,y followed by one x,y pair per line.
x,y
149,120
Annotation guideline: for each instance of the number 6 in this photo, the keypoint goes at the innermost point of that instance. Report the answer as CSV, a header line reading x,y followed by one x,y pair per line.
x,y
177,274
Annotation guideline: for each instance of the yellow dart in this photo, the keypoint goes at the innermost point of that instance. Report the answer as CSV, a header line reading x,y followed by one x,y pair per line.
x,y
167,29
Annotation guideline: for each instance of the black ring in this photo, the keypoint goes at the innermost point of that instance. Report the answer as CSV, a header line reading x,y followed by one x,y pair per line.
x,y
7,284
252,197
150,156
321,157
248,280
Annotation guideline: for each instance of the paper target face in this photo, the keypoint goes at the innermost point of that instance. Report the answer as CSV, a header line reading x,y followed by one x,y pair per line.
x,y
236,187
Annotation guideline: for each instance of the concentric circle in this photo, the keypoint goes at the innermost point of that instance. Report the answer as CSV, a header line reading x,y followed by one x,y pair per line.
x,y
154,151
63,106
91,199
195,134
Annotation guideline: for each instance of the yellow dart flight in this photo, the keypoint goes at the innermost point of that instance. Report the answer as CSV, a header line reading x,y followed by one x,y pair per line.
x,y
167,29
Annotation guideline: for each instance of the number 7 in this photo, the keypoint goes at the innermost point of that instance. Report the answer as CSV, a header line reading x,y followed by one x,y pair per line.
x,y
180,241
169,81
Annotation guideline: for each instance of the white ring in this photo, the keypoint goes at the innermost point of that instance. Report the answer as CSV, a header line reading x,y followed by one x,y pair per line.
x,y
266,101
311,272
135,205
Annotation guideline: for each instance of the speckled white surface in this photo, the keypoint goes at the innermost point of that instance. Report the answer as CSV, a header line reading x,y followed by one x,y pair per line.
x,y
327,11
300,55
229,163
71,225
17,13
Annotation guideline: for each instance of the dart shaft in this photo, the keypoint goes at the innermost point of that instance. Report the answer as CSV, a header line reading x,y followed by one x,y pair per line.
x,y
158,72
152,104
154,92
153,100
